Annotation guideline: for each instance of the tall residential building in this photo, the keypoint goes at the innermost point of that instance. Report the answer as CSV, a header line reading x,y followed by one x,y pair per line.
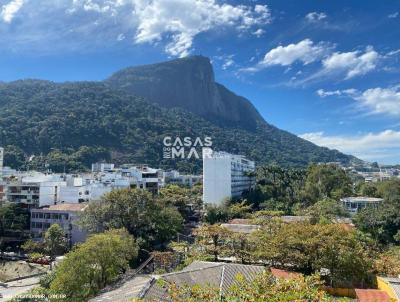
x,y
226,176
1,162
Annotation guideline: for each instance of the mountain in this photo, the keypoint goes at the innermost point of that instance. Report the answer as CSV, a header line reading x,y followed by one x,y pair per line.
x,y
67,126
189,84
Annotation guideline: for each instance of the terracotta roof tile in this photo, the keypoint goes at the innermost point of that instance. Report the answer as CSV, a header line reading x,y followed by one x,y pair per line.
x,y
284,274
372,295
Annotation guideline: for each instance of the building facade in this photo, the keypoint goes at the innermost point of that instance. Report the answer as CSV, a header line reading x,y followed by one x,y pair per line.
x,y
63,214
1,162
35,191
355,204
174,177
226,176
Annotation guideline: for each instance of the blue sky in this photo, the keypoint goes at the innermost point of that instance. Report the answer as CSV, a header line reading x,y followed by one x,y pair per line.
x,y
328,71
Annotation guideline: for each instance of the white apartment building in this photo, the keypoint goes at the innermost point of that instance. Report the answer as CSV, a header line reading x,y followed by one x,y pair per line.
x,y
174,177
36,191
1,162
225,176
142,177
83,188
102,167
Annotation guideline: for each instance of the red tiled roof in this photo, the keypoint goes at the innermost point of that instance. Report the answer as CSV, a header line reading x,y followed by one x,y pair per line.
x,y
278,273
372,295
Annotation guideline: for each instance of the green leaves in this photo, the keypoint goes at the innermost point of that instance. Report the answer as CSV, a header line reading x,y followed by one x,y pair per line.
x,y
55,242
148,218
92,265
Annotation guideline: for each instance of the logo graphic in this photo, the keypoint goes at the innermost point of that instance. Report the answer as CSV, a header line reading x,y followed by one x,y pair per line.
x,y
186,147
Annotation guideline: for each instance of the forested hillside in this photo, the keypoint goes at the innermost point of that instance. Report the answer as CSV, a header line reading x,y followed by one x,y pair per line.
x,y
67,126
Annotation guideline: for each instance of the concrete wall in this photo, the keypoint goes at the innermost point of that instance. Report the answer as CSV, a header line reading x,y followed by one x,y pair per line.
x,y
216,180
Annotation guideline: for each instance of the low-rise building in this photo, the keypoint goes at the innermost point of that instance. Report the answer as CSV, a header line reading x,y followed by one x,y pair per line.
x,y
219,275
102,167
174,177
64,214
142,177
355,204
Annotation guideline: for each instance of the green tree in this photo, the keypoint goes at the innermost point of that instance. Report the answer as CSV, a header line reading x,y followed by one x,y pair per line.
x,y
383,222
327,181
14,157
325,211
31,246
89,267
55,241
183,198
263,287
309,248
388,263
277,188
152,222
211,239
14,221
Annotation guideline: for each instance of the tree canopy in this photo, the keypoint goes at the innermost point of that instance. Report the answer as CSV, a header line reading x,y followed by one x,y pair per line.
x,y
92,265
148,218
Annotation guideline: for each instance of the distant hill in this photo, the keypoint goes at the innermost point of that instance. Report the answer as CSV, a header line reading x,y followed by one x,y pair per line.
x,y
67,126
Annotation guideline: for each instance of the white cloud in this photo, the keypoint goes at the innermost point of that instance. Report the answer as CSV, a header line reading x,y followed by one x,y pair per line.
x,y
184,20
370,146
346,92
172,24
225,61
393,52
9,10
374,100
394,15
259,32
229,62
305,51
315,16
352,63
381,100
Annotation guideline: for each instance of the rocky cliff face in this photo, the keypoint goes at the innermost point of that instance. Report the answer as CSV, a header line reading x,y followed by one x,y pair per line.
x,y
189,84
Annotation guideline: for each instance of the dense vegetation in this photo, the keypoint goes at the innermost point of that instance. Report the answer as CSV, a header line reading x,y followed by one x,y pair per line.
x,y
344,256
264,287
153,222
87,269
65,127
14,225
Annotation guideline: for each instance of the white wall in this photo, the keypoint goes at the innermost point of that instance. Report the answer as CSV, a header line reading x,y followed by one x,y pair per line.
x,y
216,180
49,192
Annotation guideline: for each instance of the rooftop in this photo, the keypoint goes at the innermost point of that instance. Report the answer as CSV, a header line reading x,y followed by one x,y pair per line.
x,y
67,207
129,290
371,295
216,274
241,228
278,273
362,199
394,283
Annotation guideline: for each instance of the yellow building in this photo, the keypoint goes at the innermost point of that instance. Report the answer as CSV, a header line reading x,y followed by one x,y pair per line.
x,y
391,286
